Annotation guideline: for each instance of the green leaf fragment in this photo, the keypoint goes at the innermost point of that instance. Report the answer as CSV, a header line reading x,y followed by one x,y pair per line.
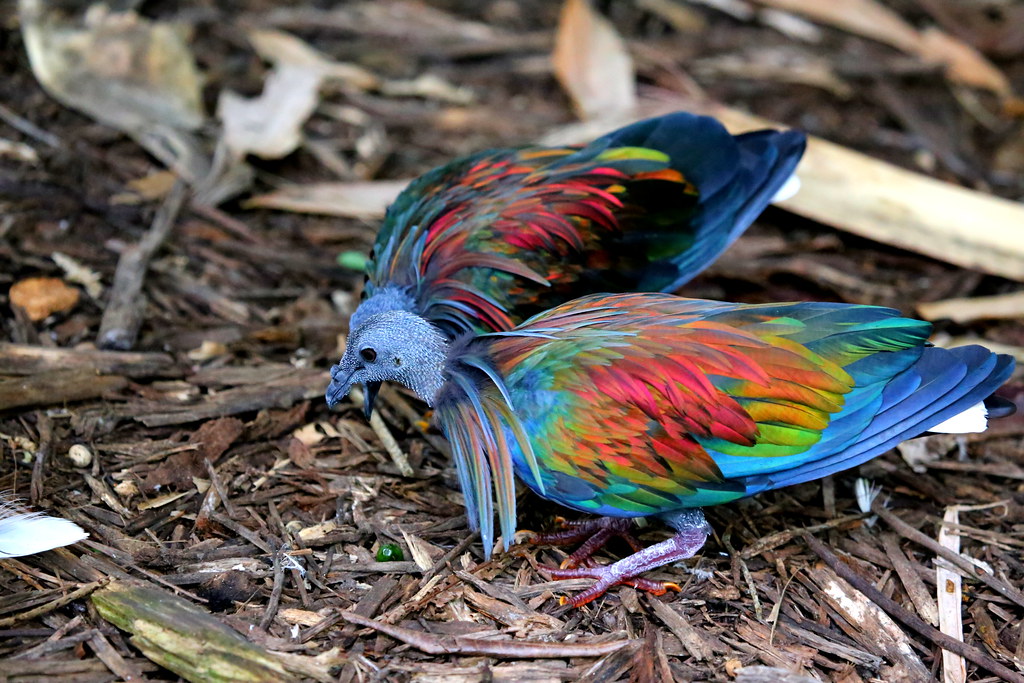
x,y
353,260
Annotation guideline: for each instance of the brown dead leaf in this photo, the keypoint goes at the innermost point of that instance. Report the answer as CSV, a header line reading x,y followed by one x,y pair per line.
x,y
210,441
280,47
176,472
156,185
964,310
216,436
43,296
861,17
118,68
963,63
300,454
870,19
270,424
270,126
352,200
591,62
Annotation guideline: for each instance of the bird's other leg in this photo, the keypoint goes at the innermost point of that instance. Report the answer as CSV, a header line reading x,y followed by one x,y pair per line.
x,y
594,533
692,531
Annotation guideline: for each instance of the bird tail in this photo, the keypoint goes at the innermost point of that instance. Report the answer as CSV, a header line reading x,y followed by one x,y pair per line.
x,y
945,390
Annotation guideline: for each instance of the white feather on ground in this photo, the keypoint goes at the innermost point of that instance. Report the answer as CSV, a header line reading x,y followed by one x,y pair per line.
x,y
26,533
971,421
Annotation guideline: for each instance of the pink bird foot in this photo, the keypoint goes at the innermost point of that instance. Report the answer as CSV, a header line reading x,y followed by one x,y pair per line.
x,y
594,533
691,533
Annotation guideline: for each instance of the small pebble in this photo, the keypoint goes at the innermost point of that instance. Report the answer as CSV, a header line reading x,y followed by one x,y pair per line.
x,y
80,455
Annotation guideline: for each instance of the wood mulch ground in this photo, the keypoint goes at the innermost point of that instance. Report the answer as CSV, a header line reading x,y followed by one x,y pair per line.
x,y
218,474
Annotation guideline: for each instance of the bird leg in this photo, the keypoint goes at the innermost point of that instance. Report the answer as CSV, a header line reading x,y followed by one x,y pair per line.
x,y
691,533
594,533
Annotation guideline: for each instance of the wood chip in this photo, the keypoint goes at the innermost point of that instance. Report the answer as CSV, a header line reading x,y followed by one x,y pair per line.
x,y
949,590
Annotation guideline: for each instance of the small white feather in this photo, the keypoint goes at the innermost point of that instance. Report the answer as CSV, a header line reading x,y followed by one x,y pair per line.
x,y
972,420
26,533
788,189
866,492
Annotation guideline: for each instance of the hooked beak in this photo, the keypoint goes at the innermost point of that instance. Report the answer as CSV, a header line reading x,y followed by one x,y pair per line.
x,y
370,390
341,384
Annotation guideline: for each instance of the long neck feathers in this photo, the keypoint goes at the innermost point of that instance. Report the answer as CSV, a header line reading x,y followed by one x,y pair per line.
x,y
477,415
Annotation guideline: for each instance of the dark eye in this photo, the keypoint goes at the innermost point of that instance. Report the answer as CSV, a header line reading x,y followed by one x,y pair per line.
x,y
368,354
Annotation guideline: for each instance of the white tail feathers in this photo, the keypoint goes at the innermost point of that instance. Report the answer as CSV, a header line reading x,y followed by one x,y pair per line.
x,y
26,533
788,189
972,420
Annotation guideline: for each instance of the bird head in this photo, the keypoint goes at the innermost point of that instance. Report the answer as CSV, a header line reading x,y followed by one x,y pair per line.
x,y
393,346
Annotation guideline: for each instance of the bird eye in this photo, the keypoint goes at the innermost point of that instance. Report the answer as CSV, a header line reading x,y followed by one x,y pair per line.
x,y
398,361
368,354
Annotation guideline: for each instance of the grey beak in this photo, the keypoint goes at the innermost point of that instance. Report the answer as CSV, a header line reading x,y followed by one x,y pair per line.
x,y
370,390
339,386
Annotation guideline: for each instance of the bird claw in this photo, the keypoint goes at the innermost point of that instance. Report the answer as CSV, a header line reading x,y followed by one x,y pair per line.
x,y
594,533
605,578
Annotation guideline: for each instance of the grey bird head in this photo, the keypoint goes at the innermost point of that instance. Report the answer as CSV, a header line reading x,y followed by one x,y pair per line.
x,y
393,346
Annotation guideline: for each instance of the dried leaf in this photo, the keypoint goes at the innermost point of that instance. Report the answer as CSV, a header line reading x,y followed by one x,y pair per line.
x,y
591,62
963,63
870,19
280,47
428,86
156,185
18,150
119,68
79,274
300,454
43,296
862,17
270,126
352,200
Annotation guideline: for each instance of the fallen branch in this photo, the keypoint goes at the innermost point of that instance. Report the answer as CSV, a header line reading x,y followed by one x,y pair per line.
x,y
25,359
192,643
123,315
57,387
460,645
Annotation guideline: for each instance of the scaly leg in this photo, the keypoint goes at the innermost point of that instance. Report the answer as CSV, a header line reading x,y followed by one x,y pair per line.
x,y
594,533
691,533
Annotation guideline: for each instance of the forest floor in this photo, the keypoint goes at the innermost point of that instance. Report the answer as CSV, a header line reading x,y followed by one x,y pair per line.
x,y
218,474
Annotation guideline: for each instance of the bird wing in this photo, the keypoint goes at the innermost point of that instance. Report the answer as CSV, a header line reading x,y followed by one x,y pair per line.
x,y
490,239
643,403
